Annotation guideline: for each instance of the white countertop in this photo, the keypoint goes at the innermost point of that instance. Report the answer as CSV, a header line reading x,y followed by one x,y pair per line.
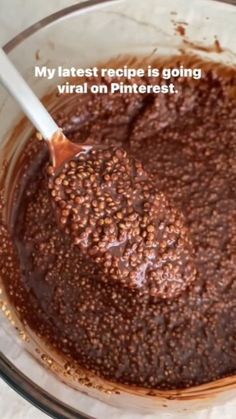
x,y
13,406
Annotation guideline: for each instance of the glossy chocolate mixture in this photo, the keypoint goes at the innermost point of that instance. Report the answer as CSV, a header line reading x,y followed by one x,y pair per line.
x,y
187,141
114,213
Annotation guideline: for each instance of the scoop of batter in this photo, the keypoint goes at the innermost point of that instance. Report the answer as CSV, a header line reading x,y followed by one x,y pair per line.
x,y
110,207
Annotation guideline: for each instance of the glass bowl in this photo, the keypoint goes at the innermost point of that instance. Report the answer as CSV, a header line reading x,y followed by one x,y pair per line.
x,y
83,35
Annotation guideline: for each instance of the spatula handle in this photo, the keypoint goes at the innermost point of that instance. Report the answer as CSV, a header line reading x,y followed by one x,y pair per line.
x,y
30,104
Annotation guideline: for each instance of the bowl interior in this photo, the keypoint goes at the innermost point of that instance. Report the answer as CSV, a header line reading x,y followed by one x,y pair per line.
x,y
80,36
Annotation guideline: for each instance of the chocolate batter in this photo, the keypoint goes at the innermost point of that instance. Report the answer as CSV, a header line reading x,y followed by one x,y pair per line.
x,y
187,142
113,211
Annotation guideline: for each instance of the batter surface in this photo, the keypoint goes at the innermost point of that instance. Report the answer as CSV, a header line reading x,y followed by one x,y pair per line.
x,y
187,141
113,211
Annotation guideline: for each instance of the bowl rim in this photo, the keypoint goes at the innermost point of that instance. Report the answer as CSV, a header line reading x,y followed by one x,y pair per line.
x,y
34,394
81,7
17,380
